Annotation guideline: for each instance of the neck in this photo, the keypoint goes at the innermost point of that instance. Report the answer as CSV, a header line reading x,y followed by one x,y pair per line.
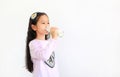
x,y
40,36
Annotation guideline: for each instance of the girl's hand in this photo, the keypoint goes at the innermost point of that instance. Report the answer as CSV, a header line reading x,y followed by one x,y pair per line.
x,y
54,32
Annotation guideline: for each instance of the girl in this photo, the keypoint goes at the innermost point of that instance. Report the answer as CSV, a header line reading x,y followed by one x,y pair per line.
x,y
40,56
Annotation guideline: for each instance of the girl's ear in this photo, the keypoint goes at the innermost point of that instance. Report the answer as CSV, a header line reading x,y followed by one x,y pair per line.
x,y
34,27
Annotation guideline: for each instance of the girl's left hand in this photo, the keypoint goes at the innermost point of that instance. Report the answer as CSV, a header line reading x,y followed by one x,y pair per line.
x,y
54,32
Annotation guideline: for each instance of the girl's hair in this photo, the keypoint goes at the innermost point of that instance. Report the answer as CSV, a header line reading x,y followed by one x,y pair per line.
x,y
31,34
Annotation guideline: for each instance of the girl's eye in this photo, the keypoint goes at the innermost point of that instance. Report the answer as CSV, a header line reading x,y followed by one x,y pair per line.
x,y
43,23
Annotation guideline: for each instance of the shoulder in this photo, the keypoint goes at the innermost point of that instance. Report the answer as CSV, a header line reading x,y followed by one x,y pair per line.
x,y
36,42
33,42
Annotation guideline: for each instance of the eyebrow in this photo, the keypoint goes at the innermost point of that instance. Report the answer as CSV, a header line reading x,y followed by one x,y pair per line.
x,y
44,21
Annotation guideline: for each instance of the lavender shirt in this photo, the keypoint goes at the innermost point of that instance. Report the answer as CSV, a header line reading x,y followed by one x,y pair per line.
x,y
41,51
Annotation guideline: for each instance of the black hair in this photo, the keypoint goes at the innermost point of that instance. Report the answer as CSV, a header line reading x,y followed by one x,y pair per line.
x,y
31,34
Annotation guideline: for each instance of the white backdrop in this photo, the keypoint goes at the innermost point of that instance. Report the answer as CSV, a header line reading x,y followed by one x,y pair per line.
x,y
90,46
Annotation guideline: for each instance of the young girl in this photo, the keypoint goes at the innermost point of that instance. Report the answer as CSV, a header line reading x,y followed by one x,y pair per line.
x,y
40,56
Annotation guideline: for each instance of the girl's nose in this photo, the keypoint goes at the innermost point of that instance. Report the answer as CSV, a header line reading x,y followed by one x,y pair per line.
x,y
48,28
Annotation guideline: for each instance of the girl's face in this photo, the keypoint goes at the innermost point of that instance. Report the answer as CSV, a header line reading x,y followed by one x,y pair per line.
x,y
41,25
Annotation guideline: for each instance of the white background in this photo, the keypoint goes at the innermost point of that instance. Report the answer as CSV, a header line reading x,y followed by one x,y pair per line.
x,y
90,46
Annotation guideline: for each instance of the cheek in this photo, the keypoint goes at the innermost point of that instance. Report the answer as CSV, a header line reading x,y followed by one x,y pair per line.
x,y
41,28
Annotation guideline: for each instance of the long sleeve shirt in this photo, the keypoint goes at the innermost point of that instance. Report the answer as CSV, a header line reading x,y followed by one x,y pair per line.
x,y
42,56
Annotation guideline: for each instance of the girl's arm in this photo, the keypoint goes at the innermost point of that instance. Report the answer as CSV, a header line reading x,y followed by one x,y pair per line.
x,y
37,52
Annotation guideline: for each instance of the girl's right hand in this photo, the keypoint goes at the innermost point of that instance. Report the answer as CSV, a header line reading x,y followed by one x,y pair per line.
x,y
54,32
